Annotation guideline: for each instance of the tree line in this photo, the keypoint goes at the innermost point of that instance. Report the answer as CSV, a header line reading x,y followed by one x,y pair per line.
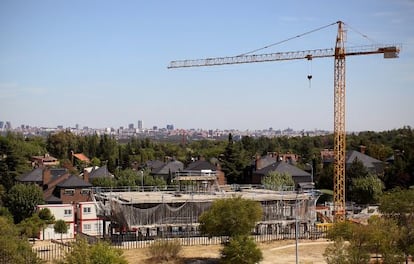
x,y
235,156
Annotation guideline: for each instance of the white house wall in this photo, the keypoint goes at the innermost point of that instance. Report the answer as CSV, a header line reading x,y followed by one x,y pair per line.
x,y
88,221
64,212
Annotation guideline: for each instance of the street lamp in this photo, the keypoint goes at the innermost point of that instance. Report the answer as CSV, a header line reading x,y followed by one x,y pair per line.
x,y
142,180
296,229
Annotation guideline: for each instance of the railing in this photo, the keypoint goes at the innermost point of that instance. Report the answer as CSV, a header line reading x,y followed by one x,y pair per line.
x,y
128,241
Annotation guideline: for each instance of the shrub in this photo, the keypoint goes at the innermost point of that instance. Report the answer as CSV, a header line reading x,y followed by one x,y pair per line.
x,y
241,250
165,250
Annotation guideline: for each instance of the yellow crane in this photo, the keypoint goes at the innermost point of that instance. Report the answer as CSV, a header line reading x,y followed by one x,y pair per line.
x,y
339,53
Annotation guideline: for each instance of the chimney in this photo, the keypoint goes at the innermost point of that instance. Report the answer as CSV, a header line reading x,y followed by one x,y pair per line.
x,y
85,175
258,162
362,149
46,176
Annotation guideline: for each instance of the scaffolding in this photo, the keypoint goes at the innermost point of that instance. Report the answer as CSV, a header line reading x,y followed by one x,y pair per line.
x,y
170,209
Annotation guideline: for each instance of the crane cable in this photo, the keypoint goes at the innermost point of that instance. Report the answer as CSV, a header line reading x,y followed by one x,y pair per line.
x,y
280,42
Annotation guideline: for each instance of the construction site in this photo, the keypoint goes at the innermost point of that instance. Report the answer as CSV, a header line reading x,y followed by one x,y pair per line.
x,y
175,211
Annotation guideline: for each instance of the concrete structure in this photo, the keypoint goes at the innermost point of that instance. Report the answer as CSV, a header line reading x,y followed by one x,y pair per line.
x,y
160,212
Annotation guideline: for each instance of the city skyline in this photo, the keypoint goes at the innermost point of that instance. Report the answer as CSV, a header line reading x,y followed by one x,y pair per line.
x,y
104,64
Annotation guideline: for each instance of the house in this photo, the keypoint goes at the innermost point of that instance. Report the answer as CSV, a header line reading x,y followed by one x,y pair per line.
x,y
45,160
79,158
71,190
88,221
42,176
371,164
299,176
168,170
58,185
64,212
202,165
96,172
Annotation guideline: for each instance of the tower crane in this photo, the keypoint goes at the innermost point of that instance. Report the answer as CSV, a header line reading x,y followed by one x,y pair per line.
x,y
339,53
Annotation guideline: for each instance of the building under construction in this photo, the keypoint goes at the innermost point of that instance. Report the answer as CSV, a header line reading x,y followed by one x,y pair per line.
x,y
154,212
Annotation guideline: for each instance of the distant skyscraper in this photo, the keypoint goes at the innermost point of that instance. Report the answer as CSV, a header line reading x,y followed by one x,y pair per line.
x,y
170,127
140,124
1,124
7,125
131,126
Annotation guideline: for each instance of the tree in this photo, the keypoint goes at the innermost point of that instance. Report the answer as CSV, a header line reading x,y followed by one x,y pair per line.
x,y
230,217
233,162
242,250
22,200
100,253
384,236
30,227
234,217
399,205
61,227
367,190
46,217
127,177
14,249
278,181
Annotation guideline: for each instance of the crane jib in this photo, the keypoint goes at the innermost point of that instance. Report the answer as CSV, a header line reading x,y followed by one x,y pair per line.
x,y
389,51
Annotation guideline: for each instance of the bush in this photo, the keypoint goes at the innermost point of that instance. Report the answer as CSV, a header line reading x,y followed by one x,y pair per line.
x,y
241,250
100,253
165,250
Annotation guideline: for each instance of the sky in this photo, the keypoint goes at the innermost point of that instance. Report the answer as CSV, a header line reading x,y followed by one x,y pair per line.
x,y
104,64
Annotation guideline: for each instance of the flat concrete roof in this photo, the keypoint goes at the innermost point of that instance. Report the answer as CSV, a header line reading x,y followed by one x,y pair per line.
x,y
137,197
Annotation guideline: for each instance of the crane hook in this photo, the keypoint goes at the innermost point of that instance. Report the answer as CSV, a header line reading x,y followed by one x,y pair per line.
x,y
309,57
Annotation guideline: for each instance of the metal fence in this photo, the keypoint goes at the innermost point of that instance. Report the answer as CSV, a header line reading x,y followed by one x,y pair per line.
x,y
57,251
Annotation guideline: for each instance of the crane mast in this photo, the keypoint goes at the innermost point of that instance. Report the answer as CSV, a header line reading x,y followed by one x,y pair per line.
x,y
339,126
339,53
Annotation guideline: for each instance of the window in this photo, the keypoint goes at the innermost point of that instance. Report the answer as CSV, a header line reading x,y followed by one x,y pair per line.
x,y
68,212
87,227
69,192
85,191
86,210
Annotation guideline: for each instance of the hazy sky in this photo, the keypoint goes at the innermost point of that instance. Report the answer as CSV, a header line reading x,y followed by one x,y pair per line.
x,y
104,64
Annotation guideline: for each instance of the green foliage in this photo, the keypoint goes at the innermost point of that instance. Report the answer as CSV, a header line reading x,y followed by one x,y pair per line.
x,y
241,250
336,253
230,217
354,243
278,181
357,249
95,162
60,227
164,250
31,226
384,237
22,200
127,177
367,190
398,205
100,253
103,182
46,215
61,144
233,161
14,249
340,230
154,181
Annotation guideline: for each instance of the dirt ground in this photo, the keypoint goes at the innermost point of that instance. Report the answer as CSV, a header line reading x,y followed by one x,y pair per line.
x,y
283,252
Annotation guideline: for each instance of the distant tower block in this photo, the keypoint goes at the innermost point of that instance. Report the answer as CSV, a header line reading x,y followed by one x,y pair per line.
x,y
140,124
